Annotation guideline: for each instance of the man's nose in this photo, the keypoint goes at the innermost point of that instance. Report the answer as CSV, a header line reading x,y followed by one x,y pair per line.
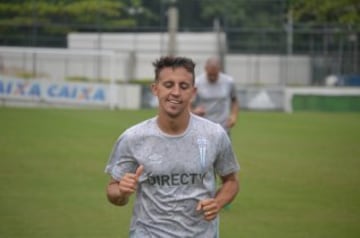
x,y
175,90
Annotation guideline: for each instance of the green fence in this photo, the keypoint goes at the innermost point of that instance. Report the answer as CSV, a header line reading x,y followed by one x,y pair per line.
x,y
326,103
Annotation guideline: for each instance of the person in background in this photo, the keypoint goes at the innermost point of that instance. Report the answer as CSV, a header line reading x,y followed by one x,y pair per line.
x,y
171,160
216,98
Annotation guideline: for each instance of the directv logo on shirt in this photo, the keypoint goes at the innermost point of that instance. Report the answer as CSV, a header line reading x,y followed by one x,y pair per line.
x,y
176,179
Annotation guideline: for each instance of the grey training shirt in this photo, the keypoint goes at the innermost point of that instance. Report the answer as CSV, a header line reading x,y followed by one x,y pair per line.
x,y
216,97
178,173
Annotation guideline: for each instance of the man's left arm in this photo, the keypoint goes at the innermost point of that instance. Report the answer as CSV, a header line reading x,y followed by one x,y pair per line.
x,y
226,193
234,110
228,190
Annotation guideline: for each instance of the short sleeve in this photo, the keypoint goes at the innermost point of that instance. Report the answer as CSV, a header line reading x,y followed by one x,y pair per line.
x,y
233,92
121,159
226,162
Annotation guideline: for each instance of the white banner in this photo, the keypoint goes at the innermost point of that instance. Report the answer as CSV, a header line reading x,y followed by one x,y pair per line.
x,y
54,92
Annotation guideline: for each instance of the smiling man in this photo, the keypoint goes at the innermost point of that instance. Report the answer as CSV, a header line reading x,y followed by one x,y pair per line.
x,y
170,162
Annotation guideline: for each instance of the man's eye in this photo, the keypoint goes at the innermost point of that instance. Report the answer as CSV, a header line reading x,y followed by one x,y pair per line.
x,y
184,86
168,85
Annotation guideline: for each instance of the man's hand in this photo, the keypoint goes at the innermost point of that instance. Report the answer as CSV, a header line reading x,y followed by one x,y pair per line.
x,y
118,192
231,121
200,111
128,183
209,207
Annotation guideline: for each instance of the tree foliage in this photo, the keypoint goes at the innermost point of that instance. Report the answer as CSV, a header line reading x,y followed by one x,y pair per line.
x,y
55,18
244,13
345,12
65,15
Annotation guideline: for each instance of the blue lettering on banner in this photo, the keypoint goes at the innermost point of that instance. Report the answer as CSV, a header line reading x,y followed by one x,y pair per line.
x,y
18,88
51,91
84,93
1,87
64,92
35,90
76,92
9,88
99,95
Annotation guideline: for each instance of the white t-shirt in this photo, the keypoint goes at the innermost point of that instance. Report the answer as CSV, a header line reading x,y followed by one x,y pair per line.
x,y
215,97
179,171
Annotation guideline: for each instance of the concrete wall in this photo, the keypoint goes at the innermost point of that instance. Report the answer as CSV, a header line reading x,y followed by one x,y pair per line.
x,y
265,70
122,57
140,49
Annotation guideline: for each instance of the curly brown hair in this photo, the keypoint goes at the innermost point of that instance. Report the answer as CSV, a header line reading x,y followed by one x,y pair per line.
x,y
174,62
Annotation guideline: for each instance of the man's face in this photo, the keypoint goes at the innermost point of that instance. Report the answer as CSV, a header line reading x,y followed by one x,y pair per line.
x,y
212,72
174,90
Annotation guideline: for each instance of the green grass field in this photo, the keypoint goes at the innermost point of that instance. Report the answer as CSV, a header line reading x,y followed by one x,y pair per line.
x,y
300,174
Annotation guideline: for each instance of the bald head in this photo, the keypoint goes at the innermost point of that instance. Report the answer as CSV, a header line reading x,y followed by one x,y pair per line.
x,y
213,61
212,68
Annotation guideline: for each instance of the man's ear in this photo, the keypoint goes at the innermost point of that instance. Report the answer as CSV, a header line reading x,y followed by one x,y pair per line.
x,y
154,89
194,91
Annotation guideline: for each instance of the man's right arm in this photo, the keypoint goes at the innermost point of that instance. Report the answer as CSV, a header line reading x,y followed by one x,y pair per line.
x,y
118,192
114,195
